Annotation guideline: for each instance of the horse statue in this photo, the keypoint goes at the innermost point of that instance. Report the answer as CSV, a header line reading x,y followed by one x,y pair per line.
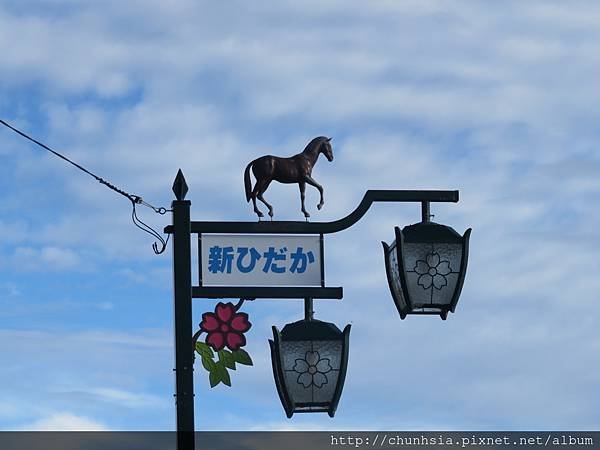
x,y
295,169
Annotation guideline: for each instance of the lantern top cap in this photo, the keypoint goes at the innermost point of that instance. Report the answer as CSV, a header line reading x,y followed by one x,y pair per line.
x,y
304,330
430,232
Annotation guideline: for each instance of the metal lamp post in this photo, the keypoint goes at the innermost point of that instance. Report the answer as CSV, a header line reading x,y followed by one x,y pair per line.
x,y
182,286
426,266
309,358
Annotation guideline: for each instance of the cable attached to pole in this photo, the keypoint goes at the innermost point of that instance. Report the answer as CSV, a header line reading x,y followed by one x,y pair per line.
x,y
134,199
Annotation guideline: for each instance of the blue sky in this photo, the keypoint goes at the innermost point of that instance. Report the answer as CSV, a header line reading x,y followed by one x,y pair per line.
x,y
498,100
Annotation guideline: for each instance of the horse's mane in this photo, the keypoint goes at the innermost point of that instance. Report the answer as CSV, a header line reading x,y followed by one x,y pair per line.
x,y
312,145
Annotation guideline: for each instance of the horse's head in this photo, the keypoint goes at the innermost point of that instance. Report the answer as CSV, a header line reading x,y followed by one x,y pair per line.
x,y
326,149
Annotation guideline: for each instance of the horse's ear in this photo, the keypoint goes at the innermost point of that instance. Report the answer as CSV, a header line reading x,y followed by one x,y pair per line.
x,y
328,139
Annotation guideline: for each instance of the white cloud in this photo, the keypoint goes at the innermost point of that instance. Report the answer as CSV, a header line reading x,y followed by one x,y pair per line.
x,y
47,258
126,399
10,289
14,232
64,421
88,374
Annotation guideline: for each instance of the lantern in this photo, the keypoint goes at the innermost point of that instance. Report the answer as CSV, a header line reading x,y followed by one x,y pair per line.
x,y
309,360
426,267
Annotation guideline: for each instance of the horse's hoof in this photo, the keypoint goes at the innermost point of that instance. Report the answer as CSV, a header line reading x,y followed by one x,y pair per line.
x,y
259,214
319,206
307,215
271,214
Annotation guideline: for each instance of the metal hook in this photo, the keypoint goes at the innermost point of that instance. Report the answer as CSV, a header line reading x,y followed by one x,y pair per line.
x,y
148,229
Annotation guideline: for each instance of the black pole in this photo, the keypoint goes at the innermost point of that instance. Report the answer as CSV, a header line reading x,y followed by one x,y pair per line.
x,y
425,212
308,309
182,277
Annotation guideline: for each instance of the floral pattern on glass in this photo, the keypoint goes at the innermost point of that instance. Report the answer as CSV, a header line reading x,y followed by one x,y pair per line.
x,y
432,271
312,370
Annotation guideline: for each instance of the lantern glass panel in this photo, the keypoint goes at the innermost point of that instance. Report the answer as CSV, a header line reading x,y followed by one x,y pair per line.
x,y
395,275
432,272
311,370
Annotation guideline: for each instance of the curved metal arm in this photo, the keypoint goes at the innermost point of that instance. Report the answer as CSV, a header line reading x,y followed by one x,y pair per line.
x,y
297,227
372,196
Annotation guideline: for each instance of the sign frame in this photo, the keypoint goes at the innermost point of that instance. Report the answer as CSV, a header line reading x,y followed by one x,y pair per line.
x,y
270,292
321,256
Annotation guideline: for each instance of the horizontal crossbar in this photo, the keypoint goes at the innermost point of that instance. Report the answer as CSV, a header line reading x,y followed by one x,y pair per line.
x,y
299,227
267,292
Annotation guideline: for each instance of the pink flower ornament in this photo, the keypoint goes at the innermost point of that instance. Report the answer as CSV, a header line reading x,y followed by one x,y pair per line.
x,y
225,327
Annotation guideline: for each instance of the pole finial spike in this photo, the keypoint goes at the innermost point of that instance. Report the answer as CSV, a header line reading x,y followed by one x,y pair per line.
x,y
180,187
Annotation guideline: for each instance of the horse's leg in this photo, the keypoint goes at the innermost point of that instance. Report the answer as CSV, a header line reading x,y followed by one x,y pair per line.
x,y
302,186
256,210
257,188
312,182
262,199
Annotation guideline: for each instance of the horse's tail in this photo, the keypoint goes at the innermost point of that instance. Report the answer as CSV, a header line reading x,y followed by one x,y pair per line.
x,y
248,181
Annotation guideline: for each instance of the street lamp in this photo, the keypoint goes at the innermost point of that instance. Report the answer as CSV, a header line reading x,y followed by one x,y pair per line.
x,y
309,360
426,266
309,357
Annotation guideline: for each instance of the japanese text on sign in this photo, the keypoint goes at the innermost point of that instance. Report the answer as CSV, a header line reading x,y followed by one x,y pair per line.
x,y
260,260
